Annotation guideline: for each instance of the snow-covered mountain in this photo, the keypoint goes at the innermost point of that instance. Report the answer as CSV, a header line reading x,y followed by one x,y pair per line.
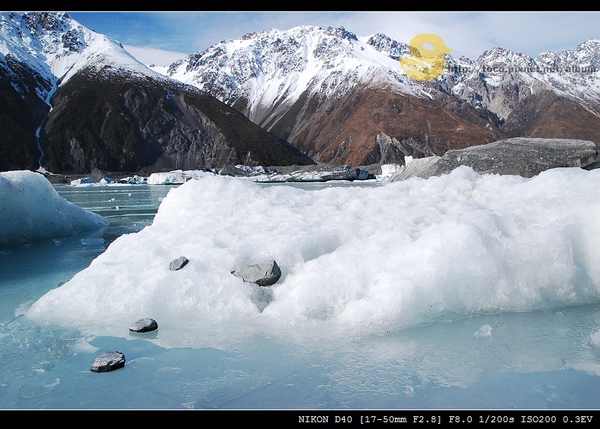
x,y
500,78
276,68
298,82
75,100
58,47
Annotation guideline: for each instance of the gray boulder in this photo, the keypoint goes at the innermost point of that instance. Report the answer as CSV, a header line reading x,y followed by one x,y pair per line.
x,y
231,170
264,274
178,263
108,361
144,325
521,156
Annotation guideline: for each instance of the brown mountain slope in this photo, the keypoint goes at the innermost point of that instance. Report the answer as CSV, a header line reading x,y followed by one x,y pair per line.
x,y
376,125
548,115
109,122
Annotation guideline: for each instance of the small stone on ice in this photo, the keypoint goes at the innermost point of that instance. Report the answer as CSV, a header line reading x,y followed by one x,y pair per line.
x,y
178,263
108,361
144,325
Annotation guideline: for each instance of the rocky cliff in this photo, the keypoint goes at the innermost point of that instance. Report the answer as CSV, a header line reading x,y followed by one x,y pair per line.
x,y
109,122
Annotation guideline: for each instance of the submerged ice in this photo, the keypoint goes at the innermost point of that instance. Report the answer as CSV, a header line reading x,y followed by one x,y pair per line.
x,y
354,260
31,210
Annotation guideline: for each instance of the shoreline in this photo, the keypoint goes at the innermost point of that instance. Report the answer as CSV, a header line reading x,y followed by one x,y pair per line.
x,y
98,175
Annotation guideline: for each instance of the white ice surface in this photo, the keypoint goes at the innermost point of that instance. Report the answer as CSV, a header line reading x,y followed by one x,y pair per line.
x,y
31,210
173,177
355,261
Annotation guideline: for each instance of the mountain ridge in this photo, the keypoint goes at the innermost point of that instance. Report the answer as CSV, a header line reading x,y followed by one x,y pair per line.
x,y
307,94
94,106
479,94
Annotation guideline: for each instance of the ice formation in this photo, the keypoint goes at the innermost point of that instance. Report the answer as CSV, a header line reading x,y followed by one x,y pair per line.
x,y
353,259
32,210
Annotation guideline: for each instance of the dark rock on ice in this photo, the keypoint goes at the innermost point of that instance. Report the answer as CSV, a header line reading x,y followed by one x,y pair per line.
x,y
231,170
521,156
144,325
178,263
264,274
108,361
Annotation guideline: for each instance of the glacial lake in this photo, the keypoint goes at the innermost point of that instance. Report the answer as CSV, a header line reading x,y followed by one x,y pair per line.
x,y
508,360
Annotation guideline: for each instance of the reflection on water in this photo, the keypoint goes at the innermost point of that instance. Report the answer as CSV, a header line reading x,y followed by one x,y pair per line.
x,y
128,208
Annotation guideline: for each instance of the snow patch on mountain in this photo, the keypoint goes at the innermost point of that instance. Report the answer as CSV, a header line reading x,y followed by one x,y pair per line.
x,y
500,78
57,47
278,67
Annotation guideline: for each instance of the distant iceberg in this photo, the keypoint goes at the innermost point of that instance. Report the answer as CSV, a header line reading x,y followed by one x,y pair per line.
x,y
32,210
82,181
175,177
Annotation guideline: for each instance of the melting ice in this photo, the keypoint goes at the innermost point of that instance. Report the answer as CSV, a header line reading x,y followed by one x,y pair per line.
x,y
31,210
355,260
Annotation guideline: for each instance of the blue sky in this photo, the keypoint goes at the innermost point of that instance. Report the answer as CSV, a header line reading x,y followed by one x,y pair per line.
x,y
165,36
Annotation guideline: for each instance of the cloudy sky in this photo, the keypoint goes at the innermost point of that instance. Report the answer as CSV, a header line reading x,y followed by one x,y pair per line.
x,y
165,36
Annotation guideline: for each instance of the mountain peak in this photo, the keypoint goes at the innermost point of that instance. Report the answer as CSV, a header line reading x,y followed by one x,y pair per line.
x,y
388,46
341,32
335,96
81,101
57,46
49,21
